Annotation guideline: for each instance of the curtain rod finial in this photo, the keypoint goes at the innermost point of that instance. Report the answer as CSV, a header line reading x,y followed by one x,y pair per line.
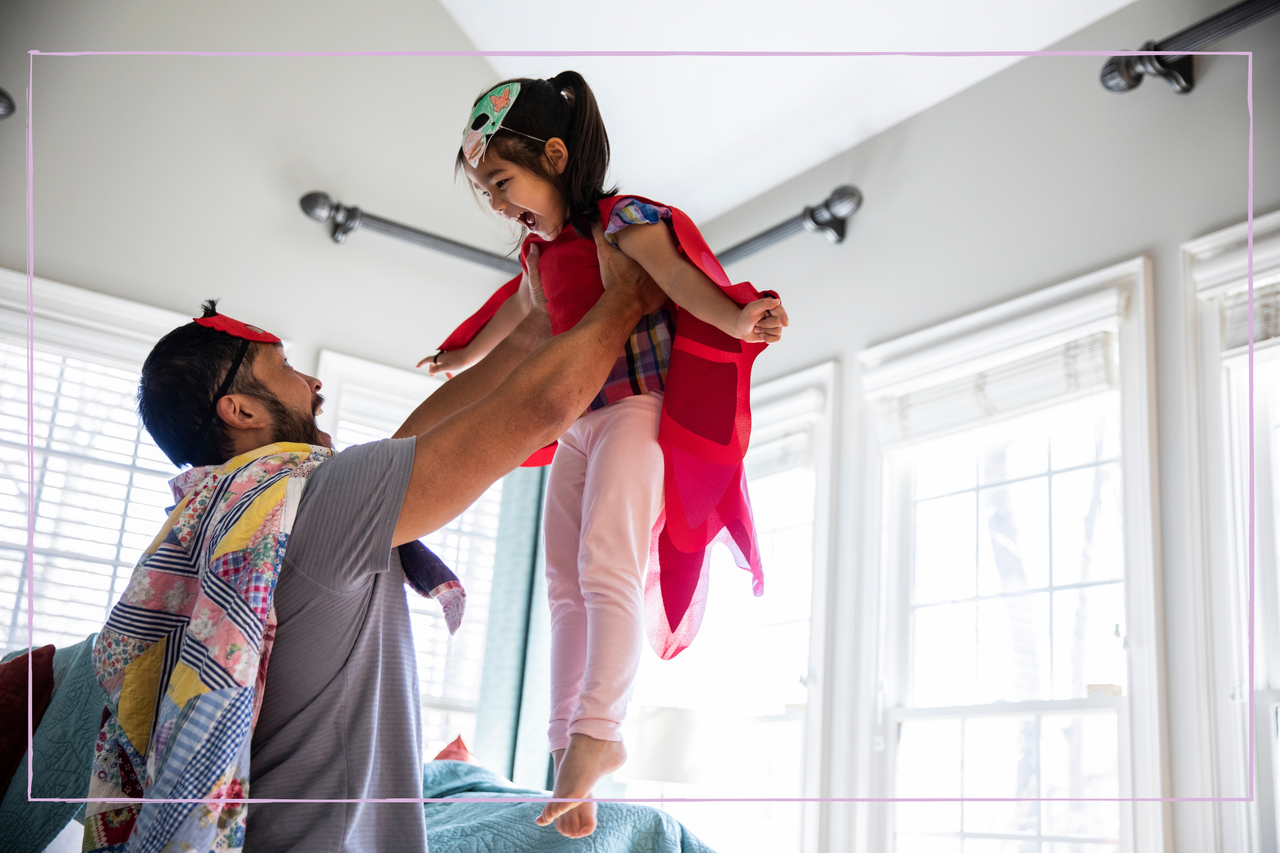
x,y
317,205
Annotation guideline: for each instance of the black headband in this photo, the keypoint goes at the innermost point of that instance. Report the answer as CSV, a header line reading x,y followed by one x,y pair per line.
x,y
222,392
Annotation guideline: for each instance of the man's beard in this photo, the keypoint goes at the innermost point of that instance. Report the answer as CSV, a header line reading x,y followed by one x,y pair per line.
x,y
291,426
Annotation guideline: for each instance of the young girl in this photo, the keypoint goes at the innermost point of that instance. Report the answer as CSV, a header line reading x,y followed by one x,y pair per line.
x,y
652,472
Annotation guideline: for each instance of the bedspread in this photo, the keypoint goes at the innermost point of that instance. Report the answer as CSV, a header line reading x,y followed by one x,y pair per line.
x,y
509,827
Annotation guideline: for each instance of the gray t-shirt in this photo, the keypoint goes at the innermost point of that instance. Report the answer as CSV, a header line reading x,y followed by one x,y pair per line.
x,y
340,716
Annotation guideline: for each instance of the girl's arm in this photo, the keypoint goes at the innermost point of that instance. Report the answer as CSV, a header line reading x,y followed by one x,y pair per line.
x,y
503,322
654,248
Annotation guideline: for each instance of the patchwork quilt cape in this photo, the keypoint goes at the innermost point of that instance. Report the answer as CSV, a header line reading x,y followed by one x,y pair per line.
x,y
183,656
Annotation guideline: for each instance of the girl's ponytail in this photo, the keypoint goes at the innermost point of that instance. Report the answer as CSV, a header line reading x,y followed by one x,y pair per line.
x,y
565,107
588,144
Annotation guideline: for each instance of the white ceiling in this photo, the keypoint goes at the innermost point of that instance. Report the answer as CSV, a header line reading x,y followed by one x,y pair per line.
x,y
708,133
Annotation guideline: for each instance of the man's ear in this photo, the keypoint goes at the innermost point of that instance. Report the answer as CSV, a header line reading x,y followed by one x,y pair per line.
x,y
557,154
239,411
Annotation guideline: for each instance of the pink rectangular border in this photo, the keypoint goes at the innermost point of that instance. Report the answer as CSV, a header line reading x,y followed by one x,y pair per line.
x,y
627,53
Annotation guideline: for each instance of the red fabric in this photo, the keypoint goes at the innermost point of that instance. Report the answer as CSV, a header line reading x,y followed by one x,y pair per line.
x,y
704,431
236,329
456,751
13,707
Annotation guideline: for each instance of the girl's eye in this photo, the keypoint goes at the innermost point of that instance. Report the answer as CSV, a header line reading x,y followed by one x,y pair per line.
x,y
501,182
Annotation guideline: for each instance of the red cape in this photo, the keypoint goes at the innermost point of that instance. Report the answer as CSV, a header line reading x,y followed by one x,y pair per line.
x,y
704,433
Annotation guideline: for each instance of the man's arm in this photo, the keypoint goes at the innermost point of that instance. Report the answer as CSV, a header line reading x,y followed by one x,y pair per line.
x,y
476,435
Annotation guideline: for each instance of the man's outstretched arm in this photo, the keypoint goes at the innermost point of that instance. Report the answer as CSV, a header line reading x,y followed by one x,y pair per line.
x,y
467,444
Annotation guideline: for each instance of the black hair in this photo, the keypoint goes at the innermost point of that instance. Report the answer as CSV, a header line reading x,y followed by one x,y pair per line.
x,y
175,391
561,107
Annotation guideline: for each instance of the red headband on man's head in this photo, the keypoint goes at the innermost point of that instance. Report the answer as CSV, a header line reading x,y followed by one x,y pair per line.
x,y
236,329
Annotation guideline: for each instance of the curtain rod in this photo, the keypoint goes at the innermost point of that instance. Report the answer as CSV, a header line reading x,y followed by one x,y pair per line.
x,y
1124,73
828,218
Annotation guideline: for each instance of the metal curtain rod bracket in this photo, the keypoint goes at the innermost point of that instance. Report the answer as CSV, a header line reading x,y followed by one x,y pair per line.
x,y
829,218
320,207
1123,73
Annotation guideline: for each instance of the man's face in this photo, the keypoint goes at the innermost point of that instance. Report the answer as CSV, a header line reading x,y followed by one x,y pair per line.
x,y
297,401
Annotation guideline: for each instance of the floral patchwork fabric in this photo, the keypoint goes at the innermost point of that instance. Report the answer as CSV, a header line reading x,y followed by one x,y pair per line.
x,y
183,658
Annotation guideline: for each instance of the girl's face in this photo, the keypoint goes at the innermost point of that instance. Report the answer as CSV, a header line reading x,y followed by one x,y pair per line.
x,y
517,194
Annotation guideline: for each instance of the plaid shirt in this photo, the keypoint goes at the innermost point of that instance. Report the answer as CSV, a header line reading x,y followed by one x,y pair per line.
x,y
642,367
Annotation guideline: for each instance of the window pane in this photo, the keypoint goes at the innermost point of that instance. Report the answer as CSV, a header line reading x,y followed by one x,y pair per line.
x,y
1000,845
1013,647
929,766
1079,756
1086,648
945,546
1085,431
1001,759
1087,540
944,655
1016,449
1013,540
945,466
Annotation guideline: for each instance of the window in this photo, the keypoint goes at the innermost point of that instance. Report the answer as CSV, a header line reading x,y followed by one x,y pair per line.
x,y
737,714
1216,272
366,401
100,481
1017,630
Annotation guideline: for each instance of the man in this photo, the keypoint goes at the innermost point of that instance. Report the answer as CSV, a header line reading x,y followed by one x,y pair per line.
x,y
339,714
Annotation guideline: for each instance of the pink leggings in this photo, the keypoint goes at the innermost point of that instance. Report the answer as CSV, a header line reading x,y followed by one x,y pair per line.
x,y
603,496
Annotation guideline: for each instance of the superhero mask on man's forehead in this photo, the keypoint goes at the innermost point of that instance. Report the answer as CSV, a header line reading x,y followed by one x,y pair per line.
x,y
236,329
247,334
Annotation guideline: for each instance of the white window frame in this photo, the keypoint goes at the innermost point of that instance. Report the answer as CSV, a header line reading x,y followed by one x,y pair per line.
x,y
806,400
1117,298
1214,267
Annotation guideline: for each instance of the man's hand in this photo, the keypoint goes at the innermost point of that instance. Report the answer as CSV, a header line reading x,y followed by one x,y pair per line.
x,y
617,271
533,281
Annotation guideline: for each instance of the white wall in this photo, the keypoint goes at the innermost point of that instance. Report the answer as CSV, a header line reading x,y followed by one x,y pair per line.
x,y
171,179
1033,177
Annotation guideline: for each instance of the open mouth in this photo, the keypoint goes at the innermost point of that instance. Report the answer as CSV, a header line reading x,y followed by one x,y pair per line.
x,y
527,220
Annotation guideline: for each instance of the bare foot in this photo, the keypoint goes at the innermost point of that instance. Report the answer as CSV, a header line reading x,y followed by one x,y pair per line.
x,y
582,765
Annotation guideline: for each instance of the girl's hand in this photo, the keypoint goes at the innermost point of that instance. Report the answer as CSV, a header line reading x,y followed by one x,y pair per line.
x,y
448,363
761,321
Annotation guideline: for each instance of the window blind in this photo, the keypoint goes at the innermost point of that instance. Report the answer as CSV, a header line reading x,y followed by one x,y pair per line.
x,y
1074,368
782,432
1235,317
100,488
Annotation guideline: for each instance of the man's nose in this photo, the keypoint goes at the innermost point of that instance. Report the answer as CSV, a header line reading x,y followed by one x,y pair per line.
x,y
314,383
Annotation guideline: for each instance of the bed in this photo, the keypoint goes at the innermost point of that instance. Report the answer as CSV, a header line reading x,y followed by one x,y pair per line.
x,y
63,746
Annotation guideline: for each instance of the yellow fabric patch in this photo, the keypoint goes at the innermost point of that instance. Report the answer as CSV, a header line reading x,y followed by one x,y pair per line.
x,y
238,537
185,685
232,465
138,696
168,524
